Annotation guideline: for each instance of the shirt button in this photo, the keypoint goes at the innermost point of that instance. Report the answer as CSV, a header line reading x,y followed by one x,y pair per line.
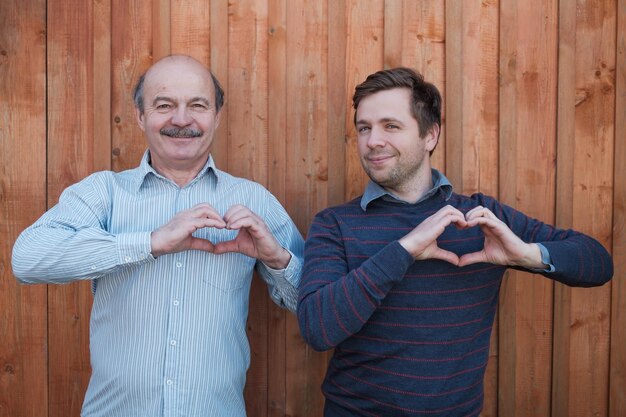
x,y
93,267
179,264
127,258
176,302
173,342
169,382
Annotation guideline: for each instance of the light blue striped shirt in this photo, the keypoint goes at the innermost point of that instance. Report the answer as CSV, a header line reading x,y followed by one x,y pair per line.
x,y
167,335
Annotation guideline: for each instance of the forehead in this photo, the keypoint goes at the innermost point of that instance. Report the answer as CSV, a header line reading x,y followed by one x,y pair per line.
x,y
178,79
386,104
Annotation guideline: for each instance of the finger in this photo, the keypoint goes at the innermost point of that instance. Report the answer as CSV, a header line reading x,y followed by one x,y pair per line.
x,y
201,244
201,223
205,210
473,211
480,211
237,211
472,258
493,224
225,247
445,255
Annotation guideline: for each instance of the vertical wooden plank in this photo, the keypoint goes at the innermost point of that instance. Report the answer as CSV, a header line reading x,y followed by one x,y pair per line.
x,y
471,105
454,100
528,39
131,55
70,158
307,167
190,29
338,107
565,189
248,157
102,88
587,115
393,34
617,376
161,31
364,55
423,48
277,147
23,326
219,48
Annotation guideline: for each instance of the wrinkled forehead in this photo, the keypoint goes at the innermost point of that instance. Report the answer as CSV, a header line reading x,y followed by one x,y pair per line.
x,y
179,77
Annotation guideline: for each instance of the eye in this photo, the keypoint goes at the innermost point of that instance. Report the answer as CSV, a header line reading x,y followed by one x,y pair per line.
x,y
198,106
163,106
363,129
392,126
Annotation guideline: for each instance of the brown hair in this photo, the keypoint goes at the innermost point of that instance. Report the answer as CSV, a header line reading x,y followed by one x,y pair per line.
x,y
426,102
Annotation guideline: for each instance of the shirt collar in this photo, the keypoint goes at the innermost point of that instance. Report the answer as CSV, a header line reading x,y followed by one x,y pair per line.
x,y
374,191
145,169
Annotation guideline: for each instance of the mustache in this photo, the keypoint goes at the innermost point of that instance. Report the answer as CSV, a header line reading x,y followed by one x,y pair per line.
x,y
181,132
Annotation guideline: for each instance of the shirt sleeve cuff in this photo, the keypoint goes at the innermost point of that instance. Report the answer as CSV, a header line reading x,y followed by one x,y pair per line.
x,y
546,259
289,274
134,247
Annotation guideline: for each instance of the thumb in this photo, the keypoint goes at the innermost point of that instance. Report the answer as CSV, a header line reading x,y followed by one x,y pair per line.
x,y
473,258
225,247
201,244
445,255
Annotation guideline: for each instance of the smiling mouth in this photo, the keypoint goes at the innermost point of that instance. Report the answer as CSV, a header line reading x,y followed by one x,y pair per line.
x,y
376,159
181,132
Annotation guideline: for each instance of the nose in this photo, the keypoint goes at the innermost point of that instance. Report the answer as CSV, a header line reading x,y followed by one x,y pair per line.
x,y
376,138
181,117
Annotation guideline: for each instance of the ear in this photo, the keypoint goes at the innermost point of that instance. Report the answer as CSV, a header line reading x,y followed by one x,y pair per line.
x,y
218,117
432,138
140,119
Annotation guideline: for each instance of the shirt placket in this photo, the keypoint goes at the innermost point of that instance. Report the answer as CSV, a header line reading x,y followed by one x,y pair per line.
x,y
173,385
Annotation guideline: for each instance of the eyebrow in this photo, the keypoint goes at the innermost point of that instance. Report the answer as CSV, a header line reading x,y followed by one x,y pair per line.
x,y
170,100
383,120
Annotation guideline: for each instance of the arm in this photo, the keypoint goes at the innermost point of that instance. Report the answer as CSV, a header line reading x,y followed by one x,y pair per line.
x,y
335,303
70,241
275,242
511,237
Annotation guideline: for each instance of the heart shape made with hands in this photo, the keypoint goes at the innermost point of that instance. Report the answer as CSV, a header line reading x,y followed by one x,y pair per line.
x,y
253,239
501,245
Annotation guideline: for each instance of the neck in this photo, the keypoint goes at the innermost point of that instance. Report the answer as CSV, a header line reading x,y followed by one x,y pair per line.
x,y
181,174
414,190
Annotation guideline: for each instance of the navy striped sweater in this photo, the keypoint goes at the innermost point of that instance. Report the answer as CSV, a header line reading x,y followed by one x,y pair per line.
x,y
411,338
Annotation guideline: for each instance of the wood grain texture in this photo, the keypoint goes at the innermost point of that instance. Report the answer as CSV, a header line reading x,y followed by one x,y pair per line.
x,y
71,89
528,58
23,326
534,105
131,55
586,113
617,360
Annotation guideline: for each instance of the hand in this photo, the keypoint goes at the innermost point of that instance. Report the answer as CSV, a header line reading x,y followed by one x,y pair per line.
x,y
421,242
502,246
176,235
254,238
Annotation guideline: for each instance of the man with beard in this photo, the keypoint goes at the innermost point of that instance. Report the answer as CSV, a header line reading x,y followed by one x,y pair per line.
x,y
170,248
403,281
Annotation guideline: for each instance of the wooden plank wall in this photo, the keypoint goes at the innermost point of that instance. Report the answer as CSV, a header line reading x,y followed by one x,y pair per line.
x,y
535,113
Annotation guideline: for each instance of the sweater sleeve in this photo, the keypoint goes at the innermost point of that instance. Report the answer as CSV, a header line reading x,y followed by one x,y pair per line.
x,y
579,260
334,302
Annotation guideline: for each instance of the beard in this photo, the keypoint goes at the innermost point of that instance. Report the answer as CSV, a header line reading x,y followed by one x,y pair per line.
x,y
181,132
394,177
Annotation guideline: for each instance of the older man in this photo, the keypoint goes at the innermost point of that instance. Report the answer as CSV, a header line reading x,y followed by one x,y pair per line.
x,y
170,248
